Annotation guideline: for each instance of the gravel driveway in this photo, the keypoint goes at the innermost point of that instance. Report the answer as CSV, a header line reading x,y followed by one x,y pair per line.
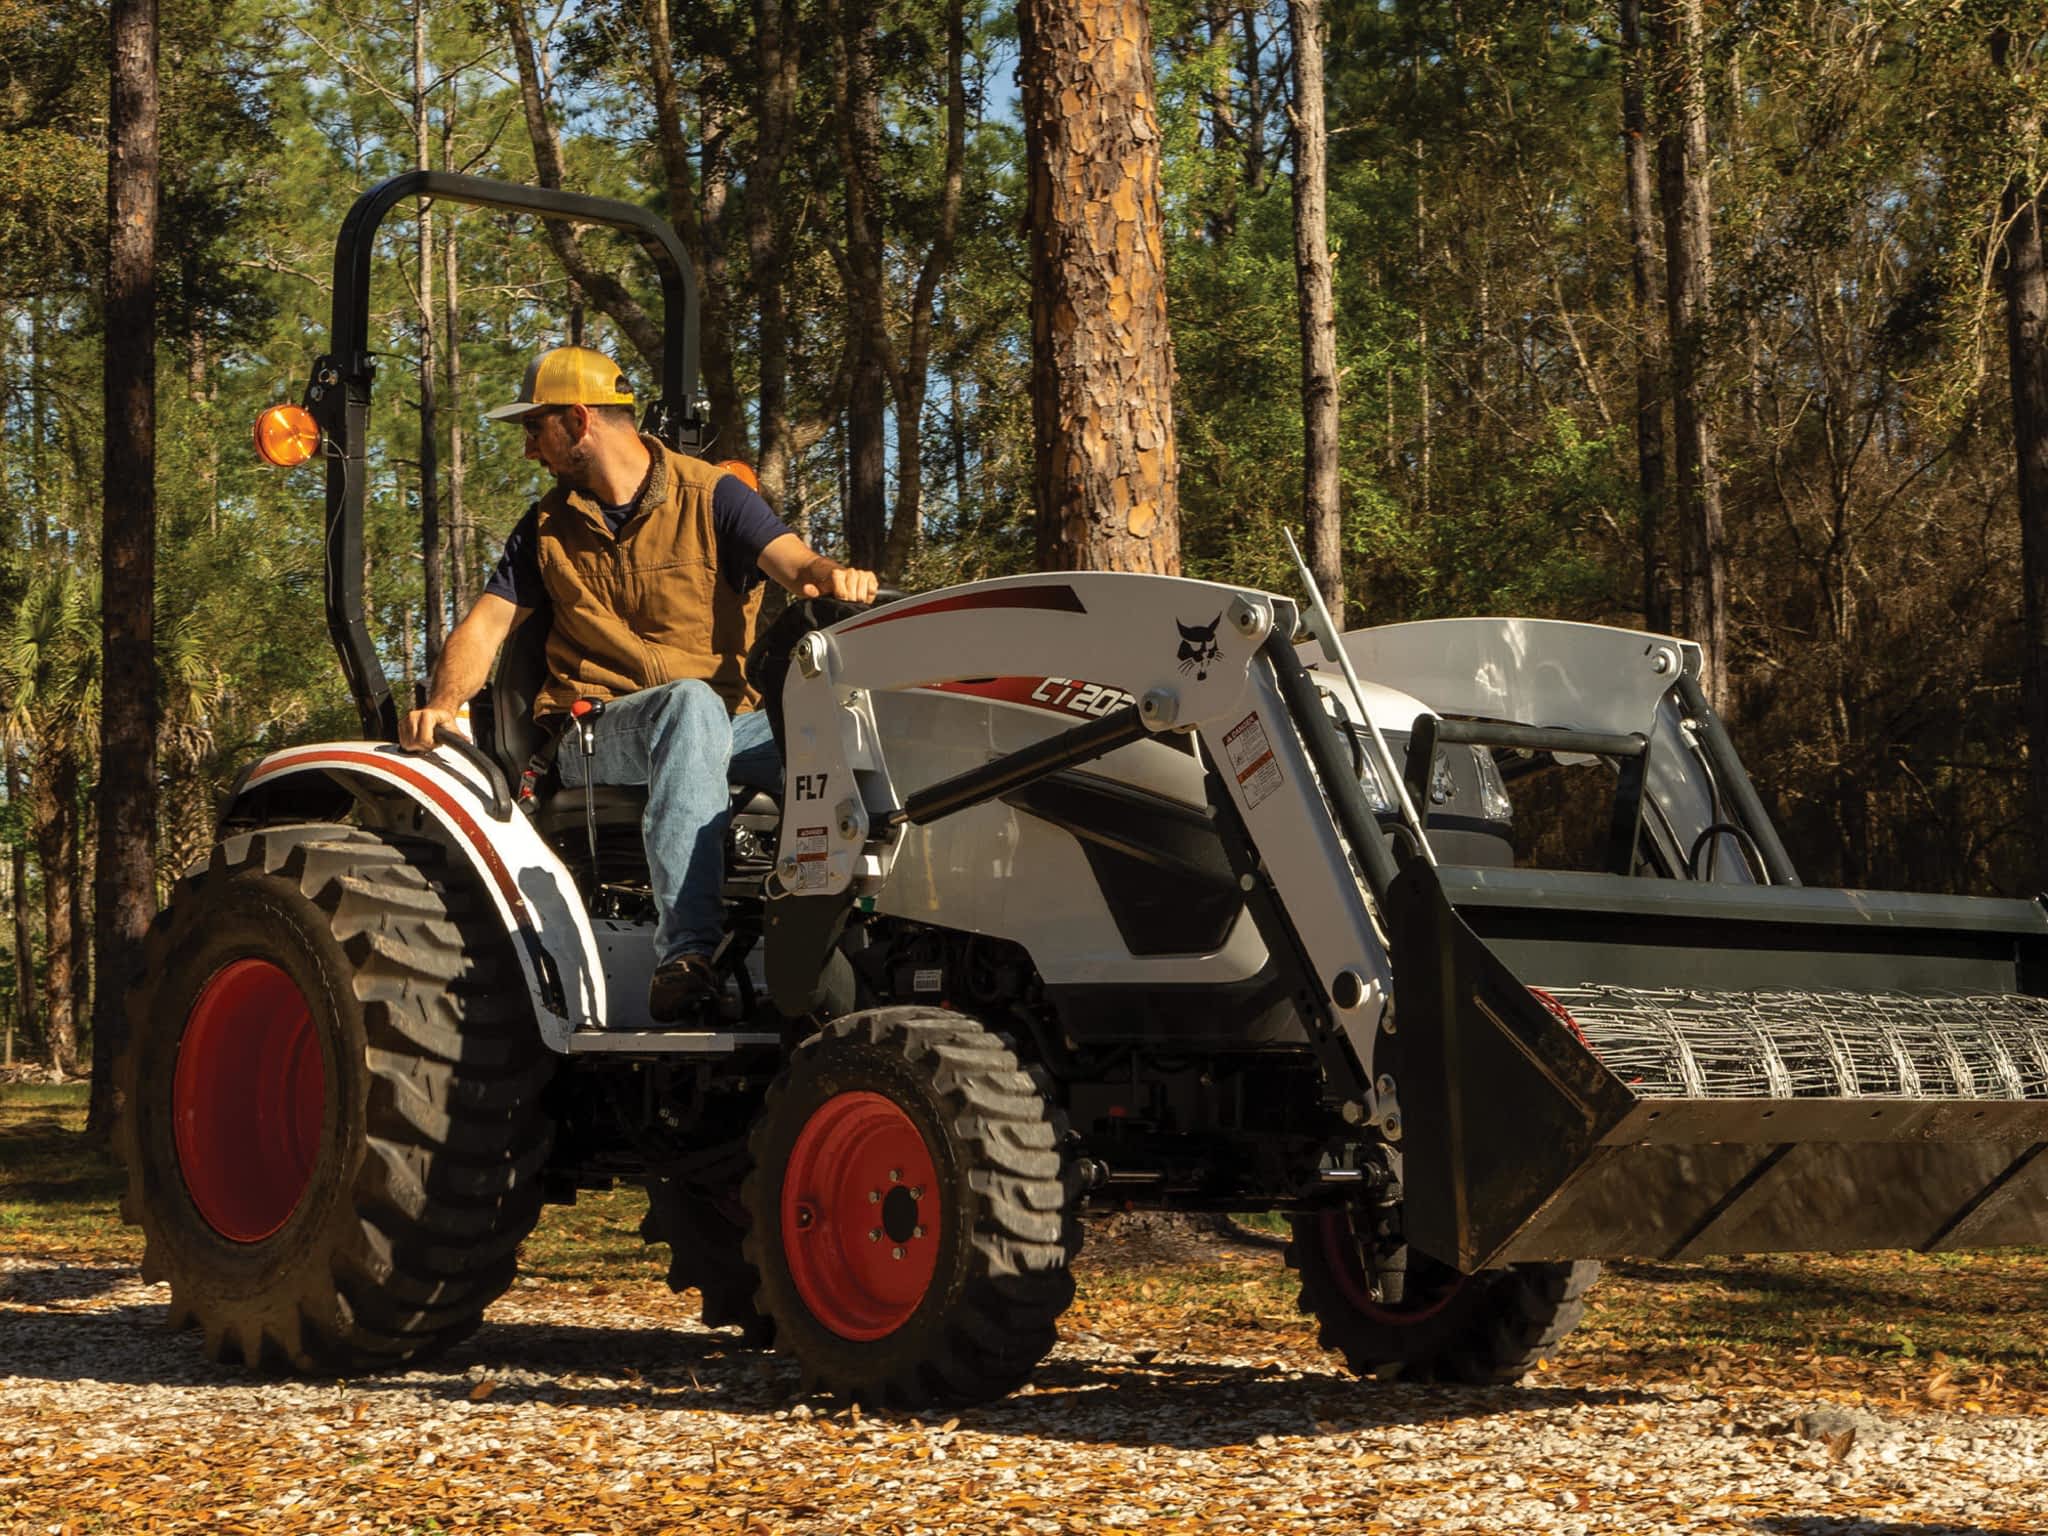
x,y
585,1408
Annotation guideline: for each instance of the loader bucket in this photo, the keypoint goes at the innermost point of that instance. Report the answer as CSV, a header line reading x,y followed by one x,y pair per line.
x,y
1714,1068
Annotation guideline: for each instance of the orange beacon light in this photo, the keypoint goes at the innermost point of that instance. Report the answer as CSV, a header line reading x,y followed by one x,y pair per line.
x,y
287,435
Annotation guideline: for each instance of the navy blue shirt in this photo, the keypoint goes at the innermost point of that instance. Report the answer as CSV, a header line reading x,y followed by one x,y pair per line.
x,y
742,524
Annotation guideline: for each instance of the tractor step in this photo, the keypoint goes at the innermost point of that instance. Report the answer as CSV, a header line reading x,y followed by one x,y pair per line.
x,y
666,1042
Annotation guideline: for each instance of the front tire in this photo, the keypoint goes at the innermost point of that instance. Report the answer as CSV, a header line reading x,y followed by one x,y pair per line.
x,y
908,1211
1481,1330
331,1102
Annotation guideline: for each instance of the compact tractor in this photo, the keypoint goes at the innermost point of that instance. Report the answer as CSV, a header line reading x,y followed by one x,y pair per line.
x,y
1083,890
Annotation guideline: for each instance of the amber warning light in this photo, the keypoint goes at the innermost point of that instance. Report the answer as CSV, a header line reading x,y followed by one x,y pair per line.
x,y
287,435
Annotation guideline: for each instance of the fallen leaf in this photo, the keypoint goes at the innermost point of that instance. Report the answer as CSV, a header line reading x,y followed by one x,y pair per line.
x,y
482,1390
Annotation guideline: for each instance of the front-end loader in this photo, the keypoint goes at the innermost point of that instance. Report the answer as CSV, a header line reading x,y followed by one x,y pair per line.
x,y
1083,890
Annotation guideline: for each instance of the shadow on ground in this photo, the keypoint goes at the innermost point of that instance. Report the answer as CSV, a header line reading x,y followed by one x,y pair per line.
x,y
1187,1404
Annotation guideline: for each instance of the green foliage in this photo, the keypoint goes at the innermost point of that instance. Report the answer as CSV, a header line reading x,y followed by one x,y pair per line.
x,y
1488,342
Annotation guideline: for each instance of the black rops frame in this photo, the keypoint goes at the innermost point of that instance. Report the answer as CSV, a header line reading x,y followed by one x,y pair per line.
x,y
339,393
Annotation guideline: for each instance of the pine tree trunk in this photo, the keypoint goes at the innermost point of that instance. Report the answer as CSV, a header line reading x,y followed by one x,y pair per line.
x,y
1424,411
81,912
56,811
858,108
604,290
1649,420
23,1015
1219,18
430,464
461,578
125,871
1314,282
698,222
2026,333
912,378
1688,280
1254,101
1101,351
777,55
720,301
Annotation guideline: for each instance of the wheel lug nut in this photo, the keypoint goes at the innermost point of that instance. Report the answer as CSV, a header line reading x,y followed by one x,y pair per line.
x,y
917,1231
874,1196
895,1175
895,1253
874,1234
917,1191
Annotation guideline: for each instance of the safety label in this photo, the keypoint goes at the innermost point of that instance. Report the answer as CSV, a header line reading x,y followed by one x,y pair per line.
x,y
813,857
1251,759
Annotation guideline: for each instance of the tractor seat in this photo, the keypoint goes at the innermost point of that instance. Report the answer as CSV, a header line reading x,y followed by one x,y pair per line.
x,y
515,737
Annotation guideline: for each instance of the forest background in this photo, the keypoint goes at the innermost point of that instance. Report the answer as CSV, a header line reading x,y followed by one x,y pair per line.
x,y
1849,185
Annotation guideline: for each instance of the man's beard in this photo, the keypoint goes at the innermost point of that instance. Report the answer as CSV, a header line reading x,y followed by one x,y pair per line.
x,y
575,474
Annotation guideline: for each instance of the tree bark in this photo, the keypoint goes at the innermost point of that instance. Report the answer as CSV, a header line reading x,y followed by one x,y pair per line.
x,y
1219,18
1101,350
640,329
1321,507
56,810
728,409
1424,411
1254,101
81,912
699,221
777,55
857,106
1688,279
461,578
911,377
125,871
1649,419
430,427
2026,333
23,1016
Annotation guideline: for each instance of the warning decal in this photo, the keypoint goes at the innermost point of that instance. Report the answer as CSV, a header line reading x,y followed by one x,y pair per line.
x,y
812,857
1251,759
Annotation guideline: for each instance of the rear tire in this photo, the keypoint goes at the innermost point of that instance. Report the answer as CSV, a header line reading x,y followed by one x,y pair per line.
x,y
331,1102
1482,1330
908,1211
704,1240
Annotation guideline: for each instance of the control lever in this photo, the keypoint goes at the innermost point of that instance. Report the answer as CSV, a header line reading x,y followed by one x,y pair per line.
x,y
583,717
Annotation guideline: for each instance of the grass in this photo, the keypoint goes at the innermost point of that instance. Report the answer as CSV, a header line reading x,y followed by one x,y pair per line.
x,y
59,1194
1961,1327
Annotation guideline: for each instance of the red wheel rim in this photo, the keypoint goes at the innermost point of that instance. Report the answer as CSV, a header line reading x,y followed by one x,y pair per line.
x,y
247,1100
1345,1251
860,1216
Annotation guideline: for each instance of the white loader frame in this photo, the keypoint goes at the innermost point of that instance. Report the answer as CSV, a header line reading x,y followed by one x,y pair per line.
x,y
1187,651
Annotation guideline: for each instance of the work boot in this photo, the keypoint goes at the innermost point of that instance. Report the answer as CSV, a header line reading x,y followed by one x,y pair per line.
x,y
683,990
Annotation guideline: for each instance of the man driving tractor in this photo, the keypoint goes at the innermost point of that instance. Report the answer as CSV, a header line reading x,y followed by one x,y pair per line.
x,y
646,565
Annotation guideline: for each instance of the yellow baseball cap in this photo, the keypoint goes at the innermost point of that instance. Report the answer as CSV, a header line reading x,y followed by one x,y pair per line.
x,y
567,376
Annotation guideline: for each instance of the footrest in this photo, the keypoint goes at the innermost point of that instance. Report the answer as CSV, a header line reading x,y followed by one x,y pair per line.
x,y
666,1042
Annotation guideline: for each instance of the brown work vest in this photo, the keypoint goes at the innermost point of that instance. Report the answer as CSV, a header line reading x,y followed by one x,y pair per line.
x,y
646,606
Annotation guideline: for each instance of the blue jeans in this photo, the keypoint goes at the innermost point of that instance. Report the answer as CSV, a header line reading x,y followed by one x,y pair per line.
x,y
677,739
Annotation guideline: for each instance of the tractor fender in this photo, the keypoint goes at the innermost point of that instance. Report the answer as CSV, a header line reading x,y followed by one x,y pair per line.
x,y
531,888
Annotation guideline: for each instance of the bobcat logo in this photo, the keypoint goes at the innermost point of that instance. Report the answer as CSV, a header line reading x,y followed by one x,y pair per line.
x,y
1198,647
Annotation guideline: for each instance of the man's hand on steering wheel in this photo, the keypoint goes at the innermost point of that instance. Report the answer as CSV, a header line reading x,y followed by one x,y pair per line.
x,y
844,582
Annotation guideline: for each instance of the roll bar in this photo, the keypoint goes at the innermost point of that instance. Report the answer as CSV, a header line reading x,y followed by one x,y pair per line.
x,y
339,392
